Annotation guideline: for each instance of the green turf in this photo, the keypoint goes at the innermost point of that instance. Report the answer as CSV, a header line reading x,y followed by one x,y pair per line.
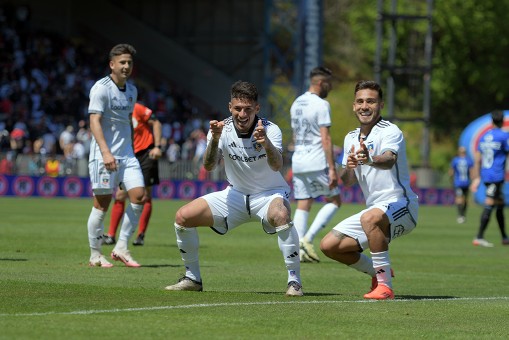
x,y
445,287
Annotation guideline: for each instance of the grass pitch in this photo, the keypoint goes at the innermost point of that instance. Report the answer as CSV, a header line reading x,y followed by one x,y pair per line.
x,y
444,286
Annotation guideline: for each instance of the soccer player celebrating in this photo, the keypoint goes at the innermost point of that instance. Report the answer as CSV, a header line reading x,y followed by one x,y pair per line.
x,y
111,159
252,150
375,157
313,166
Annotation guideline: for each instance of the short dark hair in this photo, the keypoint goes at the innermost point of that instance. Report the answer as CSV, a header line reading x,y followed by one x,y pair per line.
x,y
122,49
320,71
498,117
244,90
369,84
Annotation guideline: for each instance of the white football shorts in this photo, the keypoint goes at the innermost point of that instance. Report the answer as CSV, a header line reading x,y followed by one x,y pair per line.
x,y
103,181
231,208
312,185
401,214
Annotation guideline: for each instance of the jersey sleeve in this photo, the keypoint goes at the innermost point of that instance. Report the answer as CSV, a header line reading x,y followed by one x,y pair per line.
x,y
323,114
98,99
392,141
274,134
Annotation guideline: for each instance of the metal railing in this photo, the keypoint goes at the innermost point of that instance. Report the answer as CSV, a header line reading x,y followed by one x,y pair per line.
x,y
34,165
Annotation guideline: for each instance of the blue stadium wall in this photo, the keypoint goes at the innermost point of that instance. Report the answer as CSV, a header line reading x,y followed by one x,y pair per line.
x,y
79,187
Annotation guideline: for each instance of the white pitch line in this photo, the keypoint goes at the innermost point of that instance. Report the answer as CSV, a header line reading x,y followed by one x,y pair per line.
x,y
230,304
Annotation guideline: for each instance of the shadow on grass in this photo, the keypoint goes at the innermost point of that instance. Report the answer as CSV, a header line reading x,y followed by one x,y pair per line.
x,y
305,294
161,265
14,260
429,297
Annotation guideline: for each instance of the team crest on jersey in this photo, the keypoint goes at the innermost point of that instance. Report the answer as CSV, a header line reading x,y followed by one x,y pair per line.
x,y
257,146
371,148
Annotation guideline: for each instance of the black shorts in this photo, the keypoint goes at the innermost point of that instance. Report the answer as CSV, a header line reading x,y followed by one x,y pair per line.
x,y
461,191
495,190
149,167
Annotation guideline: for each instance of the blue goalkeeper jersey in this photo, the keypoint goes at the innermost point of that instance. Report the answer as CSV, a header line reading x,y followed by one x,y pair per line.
x,y
494,147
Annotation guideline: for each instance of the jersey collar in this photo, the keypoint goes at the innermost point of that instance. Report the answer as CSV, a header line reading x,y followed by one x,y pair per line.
x,y
366,137
250,132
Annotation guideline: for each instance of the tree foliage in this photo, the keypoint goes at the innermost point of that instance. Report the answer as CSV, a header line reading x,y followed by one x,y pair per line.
x,y
470,61
470,49
469,64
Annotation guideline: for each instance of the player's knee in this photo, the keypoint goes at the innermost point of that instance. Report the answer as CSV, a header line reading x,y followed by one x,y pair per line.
x,y
179,218
329,246
137,195
336,200
279,212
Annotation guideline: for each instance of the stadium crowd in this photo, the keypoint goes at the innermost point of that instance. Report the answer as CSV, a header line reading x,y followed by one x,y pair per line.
x,y
44,85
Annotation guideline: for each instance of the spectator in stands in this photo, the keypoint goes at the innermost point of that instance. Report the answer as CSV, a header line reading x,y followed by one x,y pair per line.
x,y
17,141
84,136
52,166
6,164
172,151
66,140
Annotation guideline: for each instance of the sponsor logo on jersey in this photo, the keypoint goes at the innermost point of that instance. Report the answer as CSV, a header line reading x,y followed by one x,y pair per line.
x,y
121,103
246,159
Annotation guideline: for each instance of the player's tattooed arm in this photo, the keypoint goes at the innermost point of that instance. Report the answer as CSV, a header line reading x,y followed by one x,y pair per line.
x,y
347,176
274,157
384,161
211,156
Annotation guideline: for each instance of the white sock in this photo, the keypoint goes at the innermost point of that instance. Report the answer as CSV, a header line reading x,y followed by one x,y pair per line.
x,y
300,221
95,230
188,243
129,224
288,241
382,266
364,265
322,218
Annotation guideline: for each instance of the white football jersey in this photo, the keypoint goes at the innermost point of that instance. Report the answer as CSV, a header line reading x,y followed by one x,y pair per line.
x,y
309,112
378,185
115,106
245,160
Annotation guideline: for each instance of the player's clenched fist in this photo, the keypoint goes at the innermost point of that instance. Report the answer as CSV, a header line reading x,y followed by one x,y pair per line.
x,y
216,128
